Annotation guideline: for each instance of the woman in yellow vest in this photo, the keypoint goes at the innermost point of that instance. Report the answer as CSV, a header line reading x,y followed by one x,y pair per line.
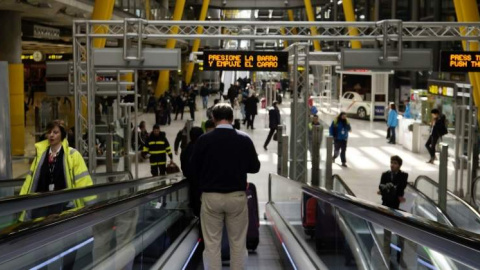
x,y
56,167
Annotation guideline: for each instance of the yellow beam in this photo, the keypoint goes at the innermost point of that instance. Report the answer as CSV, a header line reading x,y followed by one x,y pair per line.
x,y
163,79
467,11
285,42
350,17
148,11
17,113
102,10
292,18
196,42
311,18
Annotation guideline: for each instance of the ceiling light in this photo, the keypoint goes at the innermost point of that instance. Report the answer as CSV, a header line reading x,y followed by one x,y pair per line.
x,y
339,2
362,17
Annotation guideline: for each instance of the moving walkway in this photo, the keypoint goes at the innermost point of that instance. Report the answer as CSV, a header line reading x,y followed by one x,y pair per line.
x,y
147,223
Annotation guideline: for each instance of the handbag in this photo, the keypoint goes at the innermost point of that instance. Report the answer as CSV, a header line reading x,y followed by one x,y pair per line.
x,y
172,168
275,136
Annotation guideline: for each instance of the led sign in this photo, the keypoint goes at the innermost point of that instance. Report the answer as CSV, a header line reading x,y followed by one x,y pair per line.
x,y
441,88
459,61
245,60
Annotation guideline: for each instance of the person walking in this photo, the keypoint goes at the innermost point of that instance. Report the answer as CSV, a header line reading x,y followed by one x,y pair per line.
x,y
181,140
191,104
158,148
437,130
204,93
222,179
315,122
273,122
339,130
392,123
251,109
180,105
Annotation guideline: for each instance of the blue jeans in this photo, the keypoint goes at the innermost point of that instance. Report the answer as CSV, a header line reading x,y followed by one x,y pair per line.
x,y
205,101
392,134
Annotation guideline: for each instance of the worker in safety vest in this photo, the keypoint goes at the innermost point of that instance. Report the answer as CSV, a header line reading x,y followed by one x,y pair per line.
x,y
56,167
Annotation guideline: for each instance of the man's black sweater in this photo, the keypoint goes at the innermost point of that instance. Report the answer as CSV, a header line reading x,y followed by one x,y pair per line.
x,y
221,160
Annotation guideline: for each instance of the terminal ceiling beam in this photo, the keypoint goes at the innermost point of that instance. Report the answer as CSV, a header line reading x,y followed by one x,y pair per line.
x,y
102,10
350,17
311,18
467,11
164,78
196,42
264,4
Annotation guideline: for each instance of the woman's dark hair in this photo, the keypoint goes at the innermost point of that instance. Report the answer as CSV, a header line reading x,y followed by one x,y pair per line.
x,y
397,159
435,111
195,133
222,111
339,118
57,123
393,107
142,124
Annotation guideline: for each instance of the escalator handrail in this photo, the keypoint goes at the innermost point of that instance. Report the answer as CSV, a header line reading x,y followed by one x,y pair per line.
x,y
345,186
458,199
458,244
475,182
22,241
16,204
20,180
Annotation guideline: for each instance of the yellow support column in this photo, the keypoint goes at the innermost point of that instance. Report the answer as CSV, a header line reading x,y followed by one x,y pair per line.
x,y
163,79
148,11
196,42
15,77
467,11
311,18
102,10
285,42
292,18
350,17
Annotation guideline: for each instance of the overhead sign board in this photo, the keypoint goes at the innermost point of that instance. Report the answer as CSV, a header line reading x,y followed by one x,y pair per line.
x,y
245,60
459,61
412,59
442,88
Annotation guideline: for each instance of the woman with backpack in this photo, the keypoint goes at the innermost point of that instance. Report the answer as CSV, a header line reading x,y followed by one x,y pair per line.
x,y
392,123
437,130
339,130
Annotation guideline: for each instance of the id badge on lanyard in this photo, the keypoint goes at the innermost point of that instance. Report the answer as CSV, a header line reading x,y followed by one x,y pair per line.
x,y
51,187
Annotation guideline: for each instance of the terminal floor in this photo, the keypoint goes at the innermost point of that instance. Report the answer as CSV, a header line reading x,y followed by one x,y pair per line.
x,y
368,152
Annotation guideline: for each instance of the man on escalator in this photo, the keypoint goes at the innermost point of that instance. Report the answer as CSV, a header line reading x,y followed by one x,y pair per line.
x,y
392,187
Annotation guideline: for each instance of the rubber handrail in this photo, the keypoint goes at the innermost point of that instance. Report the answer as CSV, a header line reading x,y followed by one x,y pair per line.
x,y
431,181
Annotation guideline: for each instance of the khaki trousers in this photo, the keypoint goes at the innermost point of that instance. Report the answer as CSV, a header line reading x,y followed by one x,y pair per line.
x,y
231,209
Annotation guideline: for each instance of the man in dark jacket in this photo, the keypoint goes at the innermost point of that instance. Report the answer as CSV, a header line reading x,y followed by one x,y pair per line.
x,y
273,122
185,157
437,130
204,91
158,147
392,187
181,139
251,109
220,162
393,184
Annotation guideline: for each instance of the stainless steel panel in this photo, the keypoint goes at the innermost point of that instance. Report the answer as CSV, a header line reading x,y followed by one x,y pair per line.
x,y
153,58
412,59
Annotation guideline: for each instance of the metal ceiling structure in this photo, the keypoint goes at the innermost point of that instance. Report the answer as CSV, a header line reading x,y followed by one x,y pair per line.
x,y
135,32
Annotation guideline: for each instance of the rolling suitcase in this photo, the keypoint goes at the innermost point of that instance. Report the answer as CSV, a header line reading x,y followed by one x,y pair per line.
x,y
253,234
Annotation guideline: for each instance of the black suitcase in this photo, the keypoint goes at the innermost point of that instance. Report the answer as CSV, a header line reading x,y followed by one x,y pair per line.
x,y
160,117
253,234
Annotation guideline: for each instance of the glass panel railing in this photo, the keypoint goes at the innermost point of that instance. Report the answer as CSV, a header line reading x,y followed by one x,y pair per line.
x,y
16,213
131,233
461,214
348,233
476,192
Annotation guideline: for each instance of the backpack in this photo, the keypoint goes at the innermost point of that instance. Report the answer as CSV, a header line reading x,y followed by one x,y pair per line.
x,y
442,128
314,110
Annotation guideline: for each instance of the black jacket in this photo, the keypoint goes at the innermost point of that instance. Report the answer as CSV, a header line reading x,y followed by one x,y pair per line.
x,y
437,128
274,118
221,160
181,140
391,189
251,105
